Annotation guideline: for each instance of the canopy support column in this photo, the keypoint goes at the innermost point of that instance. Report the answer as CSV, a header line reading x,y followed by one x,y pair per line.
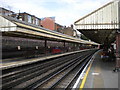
x,y
117,68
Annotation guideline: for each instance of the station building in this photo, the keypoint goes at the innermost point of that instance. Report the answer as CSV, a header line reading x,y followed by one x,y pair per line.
x,y
6,12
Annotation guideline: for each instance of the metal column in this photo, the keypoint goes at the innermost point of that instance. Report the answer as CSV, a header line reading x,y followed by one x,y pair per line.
x,y
45,46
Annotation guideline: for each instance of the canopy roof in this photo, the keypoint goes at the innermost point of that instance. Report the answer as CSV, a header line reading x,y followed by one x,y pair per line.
x,y
12,26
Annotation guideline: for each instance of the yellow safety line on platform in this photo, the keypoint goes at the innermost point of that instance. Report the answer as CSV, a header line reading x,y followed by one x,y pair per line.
x,y
85,77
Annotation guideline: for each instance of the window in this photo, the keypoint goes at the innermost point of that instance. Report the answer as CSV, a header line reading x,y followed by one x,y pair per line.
x,y
29,18
37,21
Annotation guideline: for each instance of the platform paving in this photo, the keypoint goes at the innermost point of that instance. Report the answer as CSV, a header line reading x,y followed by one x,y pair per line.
x,y
101,75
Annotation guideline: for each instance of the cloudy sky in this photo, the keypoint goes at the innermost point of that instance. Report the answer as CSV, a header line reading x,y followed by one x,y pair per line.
x,y
66,12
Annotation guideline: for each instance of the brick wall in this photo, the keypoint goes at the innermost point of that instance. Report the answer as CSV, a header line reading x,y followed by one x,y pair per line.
x,y
48,23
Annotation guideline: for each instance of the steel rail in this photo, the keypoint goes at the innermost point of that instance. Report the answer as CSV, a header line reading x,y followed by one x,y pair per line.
x,y
32,75
76,75
29,68
27,75
34,85
57,84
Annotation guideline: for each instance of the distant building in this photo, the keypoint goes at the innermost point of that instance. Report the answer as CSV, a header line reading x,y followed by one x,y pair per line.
x,y
48,22
68,30
21,16
58,27
28,18
5,12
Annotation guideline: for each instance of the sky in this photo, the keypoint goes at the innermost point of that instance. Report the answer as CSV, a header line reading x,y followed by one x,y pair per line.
x,y
66,12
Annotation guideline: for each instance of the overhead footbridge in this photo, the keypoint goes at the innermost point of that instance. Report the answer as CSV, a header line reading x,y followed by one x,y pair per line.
x,y
102,24
12,27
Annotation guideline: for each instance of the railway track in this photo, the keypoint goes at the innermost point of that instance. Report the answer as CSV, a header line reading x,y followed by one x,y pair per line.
x,y
55,73
64,78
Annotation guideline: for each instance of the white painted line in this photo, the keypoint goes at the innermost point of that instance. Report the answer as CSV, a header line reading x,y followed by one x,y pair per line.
x,y
95,73
81,75
83,72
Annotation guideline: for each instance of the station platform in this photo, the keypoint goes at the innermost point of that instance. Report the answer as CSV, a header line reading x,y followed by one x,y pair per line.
x,y
99,75
9,63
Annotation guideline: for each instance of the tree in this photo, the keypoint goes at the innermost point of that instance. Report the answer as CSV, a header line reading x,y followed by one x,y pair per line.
x,y
84,37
